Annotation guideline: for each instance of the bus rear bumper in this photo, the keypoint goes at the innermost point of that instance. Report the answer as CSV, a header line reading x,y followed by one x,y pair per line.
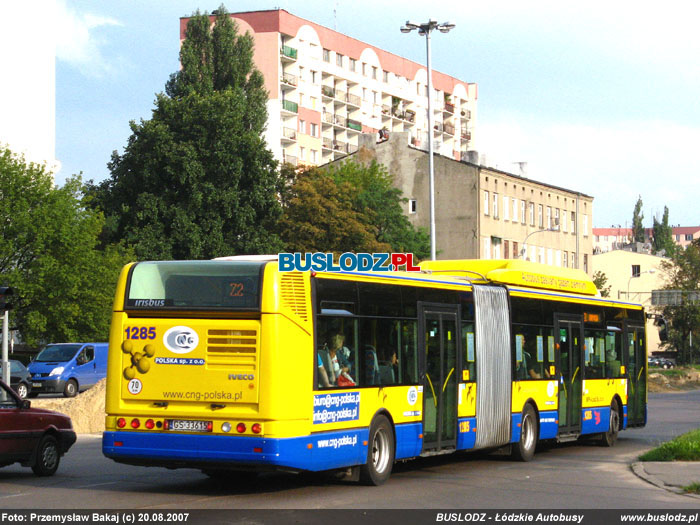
x,y
317,452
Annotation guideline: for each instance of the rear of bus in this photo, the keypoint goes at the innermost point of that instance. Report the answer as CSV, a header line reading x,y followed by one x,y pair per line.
x,y
196,377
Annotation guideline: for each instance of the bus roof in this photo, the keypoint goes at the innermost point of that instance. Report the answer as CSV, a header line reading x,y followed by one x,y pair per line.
x,y
516,272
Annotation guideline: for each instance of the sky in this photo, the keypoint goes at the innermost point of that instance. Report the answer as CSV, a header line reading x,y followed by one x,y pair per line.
x,y
597,97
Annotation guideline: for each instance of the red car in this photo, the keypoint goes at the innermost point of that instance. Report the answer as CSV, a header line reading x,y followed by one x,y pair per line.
x,y
34,437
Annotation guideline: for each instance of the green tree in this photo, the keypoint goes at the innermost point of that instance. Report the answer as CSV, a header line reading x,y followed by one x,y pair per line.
x,y
600,280
347,207
48,252
683,273
637,225
376,197
197,180
663,235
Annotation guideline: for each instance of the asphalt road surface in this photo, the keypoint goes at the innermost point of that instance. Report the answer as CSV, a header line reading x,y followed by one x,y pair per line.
x,y
579,475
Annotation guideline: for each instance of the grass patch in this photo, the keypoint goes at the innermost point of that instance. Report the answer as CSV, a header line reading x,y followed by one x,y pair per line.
x,y
684,448
671,372
693,488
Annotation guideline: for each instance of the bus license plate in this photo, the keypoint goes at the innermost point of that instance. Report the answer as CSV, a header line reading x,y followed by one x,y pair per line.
x,y
184,425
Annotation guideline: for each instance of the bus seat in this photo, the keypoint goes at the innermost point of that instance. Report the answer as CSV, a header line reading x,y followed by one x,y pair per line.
x,y
386,374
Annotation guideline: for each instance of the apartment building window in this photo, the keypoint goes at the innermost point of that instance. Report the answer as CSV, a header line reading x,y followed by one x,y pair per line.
x,y
565,263
302,126
506,252
549,217
556,218
353,64
532,214
314,129
585,262
678,237
313,102
339,60
412,206
514,205
636,270
487,248
302,153
573,222
540,255
585,225
522,211
364,93
385,77
688,236
364,69
374,72
506,213
326,55
563,221
314,76
515,250
540,217
314,156
487,203
495,205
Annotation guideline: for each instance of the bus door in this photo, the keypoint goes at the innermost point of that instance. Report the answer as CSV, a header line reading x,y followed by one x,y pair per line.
x,y
568,339
440,339
635,359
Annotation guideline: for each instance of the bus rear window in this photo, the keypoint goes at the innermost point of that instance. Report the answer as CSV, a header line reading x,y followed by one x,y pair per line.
x,y
187,285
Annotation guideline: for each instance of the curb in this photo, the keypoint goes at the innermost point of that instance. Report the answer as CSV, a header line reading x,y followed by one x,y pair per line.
x,y
638,469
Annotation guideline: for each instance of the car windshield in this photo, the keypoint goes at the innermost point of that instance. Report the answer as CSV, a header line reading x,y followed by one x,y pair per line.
x,y
57,353
16,366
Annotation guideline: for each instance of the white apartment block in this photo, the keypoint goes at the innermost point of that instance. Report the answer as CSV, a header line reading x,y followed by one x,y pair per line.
x,y
326,88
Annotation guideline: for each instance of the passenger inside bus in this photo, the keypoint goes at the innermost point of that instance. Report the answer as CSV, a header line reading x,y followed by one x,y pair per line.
x,y
372,366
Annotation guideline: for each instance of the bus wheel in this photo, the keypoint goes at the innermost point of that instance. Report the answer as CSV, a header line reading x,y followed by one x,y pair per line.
x,y
524,450
380,453
609,438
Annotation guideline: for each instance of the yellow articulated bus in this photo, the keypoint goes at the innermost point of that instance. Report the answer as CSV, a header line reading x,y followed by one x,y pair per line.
x,y
233,365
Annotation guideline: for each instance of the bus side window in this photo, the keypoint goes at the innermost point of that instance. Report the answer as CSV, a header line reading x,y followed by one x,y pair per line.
x,y
337,351
469,349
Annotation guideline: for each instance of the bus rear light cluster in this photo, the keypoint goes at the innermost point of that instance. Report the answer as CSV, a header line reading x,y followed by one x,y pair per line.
x,y
150,424
135,423
240,428
256,428
121,422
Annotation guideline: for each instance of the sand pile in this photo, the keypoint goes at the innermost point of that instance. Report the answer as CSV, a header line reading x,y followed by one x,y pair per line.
x,y
87,410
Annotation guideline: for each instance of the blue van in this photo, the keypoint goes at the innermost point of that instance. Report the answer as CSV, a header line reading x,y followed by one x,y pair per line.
x,y
68,368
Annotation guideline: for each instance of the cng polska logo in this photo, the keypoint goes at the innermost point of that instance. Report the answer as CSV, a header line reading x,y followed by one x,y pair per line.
x,y
181,339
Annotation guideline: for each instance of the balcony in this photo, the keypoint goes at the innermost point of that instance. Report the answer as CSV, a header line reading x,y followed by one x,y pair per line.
x,y
449,128
289,134
327,117
386,109
354,100
465,113
352,148
328,91
339,120
354,124
288,105
340,96
410,115
449,107
340,146
327,142
289,81
289,159
288,53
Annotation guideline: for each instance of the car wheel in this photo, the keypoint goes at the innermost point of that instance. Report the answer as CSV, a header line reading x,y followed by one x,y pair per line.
x,y
47,457
609,438
380,453
22,390
71,388
524,450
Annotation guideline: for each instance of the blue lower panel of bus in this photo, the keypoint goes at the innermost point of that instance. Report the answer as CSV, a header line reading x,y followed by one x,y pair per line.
x,y
549,425
321,451
466,438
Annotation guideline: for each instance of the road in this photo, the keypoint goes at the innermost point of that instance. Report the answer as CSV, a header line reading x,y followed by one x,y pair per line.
x,y
570,476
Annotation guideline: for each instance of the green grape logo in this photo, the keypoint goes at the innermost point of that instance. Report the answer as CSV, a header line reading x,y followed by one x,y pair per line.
x,y
139,358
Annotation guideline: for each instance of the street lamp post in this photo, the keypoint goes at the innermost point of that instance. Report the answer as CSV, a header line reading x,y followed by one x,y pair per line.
x,y
635,277
523,250
425,29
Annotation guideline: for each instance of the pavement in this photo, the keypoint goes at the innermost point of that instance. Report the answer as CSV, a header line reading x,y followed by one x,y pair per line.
x,y
669,475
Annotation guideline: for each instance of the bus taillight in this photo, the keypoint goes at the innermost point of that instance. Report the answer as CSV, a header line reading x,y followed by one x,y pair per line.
x,y
240,428
121,422
256,428
150,424
135,423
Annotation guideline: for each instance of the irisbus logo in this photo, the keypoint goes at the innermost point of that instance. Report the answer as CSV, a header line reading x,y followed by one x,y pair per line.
x,y
347,262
